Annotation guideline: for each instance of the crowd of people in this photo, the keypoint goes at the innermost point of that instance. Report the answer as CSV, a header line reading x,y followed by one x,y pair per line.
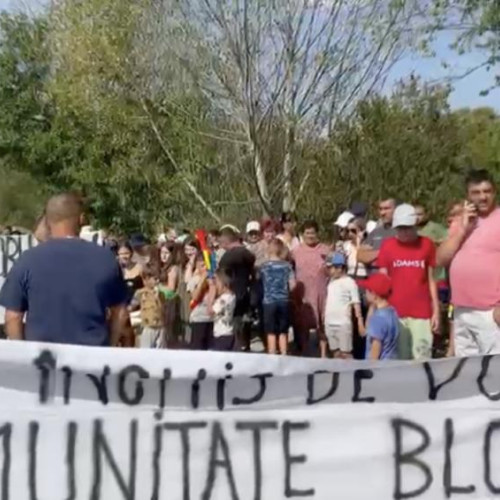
x,y
385,289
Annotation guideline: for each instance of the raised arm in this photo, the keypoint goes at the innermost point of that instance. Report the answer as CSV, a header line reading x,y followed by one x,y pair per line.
x,y
200,290
458,233
450,247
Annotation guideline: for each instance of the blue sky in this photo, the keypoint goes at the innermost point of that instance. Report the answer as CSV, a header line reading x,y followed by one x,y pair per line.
x,y
465,91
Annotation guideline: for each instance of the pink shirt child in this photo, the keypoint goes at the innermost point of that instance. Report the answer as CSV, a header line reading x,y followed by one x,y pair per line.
x,y
475,269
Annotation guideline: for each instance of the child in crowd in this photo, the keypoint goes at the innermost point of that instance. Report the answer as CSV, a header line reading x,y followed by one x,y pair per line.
x,y
200,319
342,298
278,281
382,329
223,302
151,303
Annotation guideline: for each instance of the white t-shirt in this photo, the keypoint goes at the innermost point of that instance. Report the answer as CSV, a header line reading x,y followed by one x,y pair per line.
x,y
292,244
342,294
354,268
200,313
223,314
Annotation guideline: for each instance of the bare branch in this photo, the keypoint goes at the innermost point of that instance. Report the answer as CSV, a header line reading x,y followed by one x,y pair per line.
x,y
168,154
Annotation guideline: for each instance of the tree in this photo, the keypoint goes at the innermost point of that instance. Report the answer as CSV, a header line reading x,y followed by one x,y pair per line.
x,y
480,135
138,151
406,146
117,99
29,162
296,66
475,25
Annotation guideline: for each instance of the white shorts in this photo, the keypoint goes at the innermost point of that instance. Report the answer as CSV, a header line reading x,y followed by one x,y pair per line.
x,y
475,332
151,338
339,337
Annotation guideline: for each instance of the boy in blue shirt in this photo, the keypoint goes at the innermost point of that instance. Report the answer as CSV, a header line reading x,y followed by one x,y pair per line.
x,y
382,329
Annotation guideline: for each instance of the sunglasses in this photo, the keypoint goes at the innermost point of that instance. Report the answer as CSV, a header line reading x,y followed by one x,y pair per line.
x,y
352,230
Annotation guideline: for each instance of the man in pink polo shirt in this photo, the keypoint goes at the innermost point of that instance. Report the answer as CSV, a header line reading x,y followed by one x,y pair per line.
x,y
472,252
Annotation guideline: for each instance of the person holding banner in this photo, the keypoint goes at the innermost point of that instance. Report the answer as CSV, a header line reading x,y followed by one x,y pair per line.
x,y
67,287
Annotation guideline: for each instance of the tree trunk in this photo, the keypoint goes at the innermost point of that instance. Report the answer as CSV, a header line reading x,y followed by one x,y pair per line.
x,y
287,203
260,177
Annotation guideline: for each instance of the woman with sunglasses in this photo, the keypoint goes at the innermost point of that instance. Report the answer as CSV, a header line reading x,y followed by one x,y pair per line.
x,y
354,237
288,234
356,233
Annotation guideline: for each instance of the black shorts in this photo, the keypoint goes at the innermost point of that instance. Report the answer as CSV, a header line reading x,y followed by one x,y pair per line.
x,y
224,343
276,317
201,336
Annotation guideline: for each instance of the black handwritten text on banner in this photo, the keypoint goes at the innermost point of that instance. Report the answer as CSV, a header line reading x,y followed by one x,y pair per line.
x,y
82,423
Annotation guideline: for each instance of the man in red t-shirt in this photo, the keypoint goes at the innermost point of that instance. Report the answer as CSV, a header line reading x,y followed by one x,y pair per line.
x,y
410,259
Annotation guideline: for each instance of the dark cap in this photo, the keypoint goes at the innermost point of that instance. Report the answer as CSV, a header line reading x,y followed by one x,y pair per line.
x,y
138,240
359,209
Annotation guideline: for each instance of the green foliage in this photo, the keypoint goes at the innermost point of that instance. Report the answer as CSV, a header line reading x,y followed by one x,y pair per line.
x,y
25,113
28,147
480,134
21,198
79,110
408,146
138,150
475,26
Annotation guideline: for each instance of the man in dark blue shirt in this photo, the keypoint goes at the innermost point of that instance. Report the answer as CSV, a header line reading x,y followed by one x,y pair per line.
x,y
72,291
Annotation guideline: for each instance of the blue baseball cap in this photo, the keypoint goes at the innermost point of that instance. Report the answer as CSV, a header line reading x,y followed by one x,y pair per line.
x,y
337,259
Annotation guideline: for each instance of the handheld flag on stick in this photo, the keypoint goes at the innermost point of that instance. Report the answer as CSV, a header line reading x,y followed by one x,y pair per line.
x,y
209,259
201,237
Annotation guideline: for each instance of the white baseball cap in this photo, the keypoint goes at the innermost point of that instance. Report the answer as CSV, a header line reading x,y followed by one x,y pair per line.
x,y
404,215
343,219
253,226
370,226
231,227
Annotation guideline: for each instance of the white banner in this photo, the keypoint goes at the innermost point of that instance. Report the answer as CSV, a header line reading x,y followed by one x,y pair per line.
x,y
111,424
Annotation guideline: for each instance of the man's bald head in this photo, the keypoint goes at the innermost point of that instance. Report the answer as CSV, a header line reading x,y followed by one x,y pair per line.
x,y
64,209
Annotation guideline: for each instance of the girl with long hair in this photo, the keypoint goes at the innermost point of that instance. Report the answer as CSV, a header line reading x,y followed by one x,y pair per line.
x,y
169,258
